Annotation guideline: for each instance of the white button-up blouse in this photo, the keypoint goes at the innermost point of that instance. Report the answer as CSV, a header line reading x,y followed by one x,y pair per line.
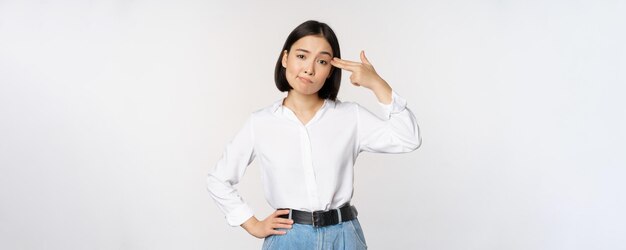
x,y
308,167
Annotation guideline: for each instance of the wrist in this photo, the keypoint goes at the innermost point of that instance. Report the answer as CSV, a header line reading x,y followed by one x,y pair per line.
x,y
383,93
250,224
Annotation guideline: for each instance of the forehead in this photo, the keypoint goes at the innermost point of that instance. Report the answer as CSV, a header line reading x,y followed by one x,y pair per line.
x,y
314,44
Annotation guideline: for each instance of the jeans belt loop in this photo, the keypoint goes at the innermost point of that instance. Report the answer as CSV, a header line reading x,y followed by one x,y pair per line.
x,y
338,214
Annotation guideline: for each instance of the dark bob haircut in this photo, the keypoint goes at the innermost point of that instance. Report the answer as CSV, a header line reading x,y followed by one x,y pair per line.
x,y
311,27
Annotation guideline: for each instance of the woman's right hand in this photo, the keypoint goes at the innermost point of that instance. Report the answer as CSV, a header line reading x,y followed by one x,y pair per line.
x,y
268,226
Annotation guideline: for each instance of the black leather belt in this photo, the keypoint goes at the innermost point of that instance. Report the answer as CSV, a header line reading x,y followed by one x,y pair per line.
x,y
322,218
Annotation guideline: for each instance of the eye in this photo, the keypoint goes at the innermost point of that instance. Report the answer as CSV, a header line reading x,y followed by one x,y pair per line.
x,y
323,62
300,56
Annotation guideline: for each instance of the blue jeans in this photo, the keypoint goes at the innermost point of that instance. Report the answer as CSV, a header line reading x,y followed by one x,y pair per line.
x,y
345,235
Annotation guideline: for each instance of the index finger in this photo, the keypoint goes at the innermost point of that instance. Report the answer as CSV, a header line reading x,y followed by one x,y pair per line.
x,y
281,212
346,61
343,65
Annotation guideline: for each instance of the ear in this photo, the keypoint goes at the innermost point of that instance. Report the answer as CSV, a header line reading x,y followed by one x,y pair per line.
x,y
284,61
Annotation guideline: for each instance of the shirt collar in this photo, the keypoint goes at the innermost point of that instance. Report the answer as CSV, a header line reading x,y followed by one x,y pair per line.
x,y
279,104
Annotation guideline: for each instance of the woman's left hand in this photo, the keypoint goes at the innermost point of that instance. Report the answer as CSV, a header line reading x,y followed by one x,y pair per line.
x,y
363,74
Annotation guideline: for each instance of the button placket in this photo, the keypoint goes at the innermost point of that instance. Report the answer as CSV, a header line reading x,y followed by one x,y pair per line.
x,y
309,172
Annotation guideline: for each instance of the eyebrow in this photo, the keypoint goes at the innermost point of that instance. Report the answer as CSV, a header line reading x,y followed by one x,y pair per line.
x,y
323,52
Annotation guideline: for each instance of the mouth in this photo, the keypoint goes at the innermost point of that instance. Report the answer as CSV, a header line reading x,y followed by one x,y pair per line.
x,y
304,80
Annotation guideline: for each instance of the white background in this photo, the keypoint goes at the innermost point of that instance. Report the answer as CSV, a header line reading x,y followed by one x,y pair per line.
x,y
112,113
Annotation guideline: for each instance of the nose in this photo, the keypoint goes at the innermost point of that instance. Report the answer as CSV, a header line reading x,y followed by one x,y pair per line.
x,y
309,69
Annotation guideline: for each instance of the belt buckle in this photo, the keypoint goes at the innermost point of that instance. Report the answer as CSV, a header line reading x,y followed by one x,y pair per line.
x,y
315,215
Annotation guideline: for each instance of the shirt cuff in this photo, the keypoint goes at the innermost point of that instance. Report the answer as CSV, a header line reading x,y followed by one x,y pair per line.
x,y
397,105
239,216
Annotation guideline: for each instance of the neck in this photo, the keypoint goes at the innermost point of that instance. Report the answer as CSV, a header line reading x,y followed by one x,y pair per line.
x,y
303,103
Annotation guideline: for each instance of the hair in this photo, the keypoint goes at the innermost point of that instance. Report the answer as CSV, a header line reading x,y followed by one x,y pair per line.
x,y
331,86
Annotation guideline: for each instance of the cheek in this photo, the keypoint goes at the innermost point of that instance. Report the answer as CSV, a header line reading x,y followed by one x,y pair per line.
x,y
324,72
293,67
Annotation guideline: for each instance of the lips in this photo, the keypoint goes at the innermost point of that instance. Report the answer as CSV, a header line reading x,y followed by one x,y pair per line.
x,y
305,80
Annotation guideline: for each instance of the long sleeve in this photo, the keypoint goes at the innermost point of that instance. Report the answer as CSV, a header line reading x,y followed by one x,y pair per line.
x,y
397,132
238,154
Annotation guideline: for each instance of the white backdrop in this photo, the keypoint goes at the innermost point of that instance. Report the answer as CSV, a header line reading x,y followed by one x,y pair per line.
x,y
112,113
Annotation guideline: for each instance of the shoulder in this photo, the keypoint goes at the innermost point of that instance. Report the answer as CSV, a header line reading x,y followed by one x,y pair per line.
x,y
343,106
267,111
343,110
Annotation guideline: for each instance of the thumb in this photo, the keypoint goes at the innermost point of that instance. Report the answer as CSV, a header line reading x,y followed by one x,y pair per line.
x,y
364,59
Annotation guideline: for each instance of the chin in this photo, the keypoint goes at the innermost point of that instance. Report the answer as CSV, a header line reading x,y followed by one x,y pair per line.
x,y
306,90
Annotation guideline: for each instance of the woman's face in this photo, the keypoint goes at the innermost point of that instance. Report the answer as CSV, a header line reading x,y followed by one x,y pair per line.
x,y
307,64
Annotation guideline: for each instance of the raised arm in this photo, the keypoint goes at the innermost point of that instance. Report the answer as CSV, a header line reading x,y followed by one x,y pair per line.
x,y
398,131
